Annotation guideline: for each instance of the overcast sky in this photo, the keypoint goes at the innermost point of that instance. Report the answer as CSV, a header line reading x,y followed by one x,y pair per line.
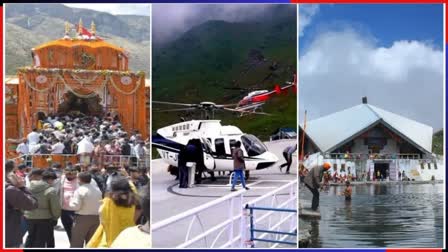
x,y
116,9
394,60
171,20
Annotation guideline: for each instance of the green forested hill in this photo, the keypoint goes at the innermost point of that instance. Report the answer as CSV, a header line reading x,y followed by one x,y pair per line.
x,y
201,63
437,142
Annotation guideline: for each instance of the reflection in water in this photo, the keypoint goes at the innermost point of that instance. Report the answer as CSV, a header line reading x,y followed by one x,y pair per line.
x,y
314,231
399,215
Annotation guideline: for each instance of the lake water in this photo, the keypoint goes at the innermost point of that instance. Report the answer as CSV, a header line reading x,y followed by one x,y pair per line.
x,y
381,215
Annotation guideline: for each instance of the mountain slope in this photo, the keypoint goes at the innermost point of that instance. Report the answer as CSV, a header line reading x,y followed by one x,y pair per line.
x,y
29,25
437,142
200,64
29,16
18,51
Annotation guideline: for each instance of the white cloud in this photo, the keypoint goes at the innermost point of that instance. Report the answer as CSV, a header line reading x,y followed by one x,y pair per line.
x,y
116,9
338,68
306,14
172,20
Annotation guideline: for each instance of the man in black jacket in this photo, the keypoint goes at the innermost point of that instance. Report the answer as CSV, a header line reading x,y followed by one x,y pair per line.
x,y
126,148
144,179
99,178
17,199
182,166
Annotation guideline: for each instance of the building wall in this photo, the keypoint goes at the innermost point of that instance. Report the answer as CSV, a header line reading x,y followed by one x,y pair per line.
x,y
360,147
411,167
390,147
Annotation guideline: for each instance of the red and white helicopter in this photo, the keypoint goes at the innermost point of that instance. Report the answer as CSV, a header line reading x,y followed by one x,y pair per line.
x,y
256,99
249,104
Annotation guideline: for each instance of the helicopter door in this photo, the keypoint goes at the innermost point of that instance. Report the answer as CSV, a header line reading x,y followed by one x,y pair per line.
x,y
224,161
209,161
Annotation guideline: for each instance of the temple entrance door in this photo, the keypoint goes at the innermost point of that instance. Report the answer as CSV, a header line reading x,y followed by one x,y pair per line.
x,y
72,103
381,171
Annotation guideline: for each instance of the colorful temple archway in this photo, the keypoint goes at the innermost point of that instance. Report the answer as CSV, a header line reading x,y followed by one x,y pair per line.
x,y
94,71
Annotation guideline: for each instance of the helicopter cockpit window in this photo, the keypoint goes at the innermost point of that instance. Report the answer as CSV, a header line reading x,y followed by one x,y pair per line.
x,y
219,147
232,143
253,145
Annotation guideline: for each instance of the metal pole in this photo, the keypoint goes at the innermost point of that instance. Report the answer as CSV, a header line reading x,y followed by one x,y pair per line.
x,y
294,205
302,151
243,224
231,209
251,216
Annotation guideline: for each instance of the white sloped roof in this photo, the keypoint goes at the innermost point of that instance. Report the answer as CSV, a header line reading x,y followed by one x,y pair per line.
x,y
330,131
419,133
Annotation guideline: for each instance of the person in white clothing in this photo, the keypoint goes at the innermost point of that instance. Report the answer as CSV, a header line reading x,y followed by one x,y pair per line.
x,y
57,147
58,134
140,150
85,149
34,148
33,138
22,148
51,120
86,201
85,145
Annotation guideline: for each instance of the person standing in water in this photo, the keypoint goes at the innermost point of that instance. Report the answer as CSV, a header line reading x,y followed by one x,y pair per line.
x,y
348,191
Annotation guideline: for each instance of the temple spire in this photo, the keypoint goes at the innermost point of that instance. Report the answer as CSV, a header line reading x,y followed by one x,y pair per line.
x,y
67,30
80,26
93,28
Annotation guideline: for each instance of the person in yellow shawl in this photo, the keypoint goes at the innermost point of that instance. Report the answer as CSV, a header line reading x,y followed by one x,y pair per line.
x,y
116,213
137,236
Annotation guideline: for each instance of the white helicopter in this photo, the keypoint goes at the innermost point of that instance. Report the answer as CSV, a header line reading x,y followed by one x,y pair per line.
x,y
217,141
256,99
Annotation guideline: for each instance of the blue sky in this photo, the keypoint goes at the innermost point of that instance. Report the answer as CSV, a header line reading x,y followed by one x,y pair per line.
x,y
386,22
393,54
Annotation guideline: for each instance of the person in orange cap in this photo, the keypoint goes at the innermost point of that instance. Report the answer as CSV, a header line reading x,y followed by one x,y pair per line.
x,y
312,181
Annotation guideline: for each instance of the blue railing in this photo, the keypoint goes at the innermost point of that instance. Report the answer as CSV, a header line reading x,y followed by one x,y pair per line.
x,y
254,230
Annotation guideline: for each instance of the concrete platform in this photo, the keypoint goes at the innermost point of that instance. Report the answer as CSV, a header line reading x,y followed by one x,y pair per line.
x,y
309,213
305,210
169,200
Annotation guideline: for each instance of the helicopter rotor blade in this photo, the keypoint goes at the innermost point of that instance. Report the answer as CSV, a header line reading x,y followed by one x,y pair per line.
x,y
247,112
175,103
226,105
173,110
